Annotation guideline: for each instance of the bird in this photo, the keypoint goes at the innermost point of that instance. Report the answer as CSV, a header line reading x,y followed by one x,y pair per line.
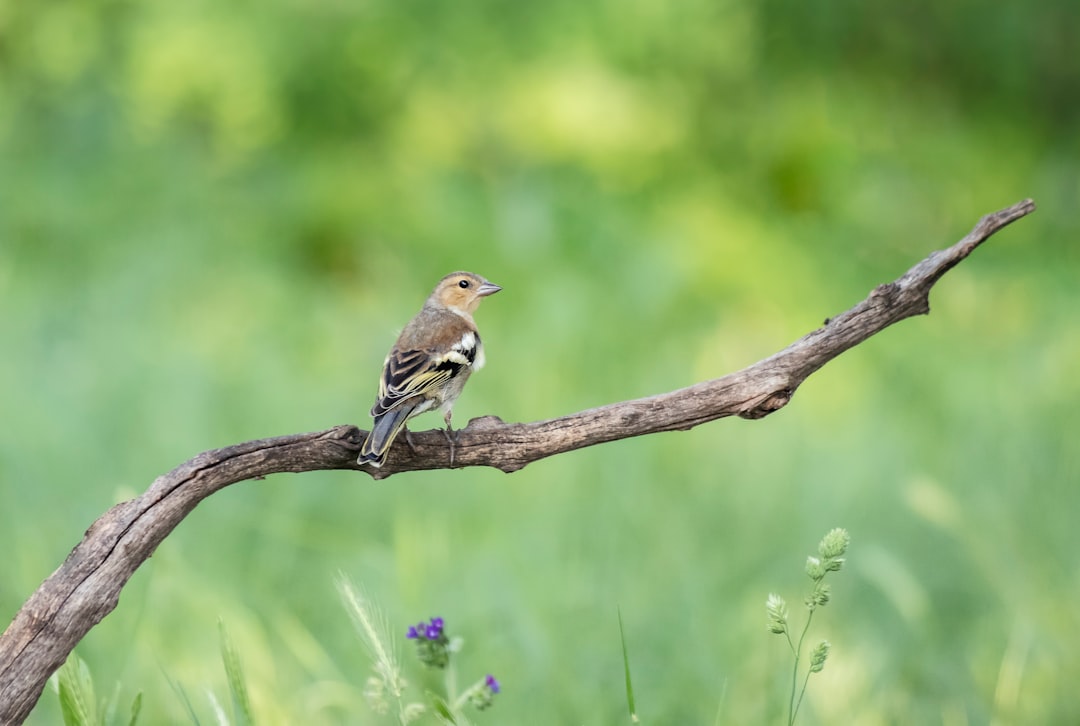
x,y
428,365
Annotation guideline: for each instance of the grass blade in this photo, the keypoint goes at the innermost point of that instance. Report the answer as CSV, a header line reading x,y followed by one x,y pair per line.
x,y
136,706
626,667
183,696
235,674
77,700
375,635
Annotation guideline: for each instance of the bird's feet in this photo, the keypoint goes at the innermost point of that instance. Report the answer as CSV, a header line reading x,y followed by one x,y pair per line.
x,y
408,439
451,437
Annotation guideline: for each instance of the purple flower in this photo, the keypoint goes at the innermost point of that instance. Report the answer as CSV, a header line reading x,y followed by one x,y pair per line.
x,y
432,645
491,683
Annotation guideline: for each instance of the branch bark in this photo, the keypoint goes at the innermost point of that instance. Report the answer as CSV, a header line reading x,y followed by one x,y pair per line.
x,y
86,587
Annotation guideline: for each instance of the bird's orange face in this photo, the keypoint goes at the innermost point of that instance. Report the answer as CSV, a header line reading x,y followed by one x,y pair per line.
x,y
464,290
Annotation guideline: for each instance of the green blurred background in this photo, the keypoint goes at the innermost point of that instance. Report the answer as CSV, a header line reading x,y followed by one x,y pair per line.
x,y
214,217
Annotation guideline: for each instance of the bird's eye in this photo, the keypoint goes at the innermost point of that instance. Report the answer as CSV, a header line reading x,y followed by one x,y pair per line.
x,y
463,284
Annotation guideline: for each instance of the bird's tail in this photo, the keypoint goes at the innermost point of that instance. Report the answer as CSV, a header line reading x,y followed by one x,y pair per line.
x,y
387,427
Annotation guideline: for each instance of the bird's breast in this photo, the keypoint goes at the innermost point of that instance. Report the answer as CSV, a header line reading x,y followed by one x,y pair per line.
x,y
478,359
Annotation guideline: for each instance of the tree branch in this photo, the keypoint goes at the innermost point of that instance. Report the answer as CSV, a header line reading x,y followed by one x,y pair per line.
x,y
86,587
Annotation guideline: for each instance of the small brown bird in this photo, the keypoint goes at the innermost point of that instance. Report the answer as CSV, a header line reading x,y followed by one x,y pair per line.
x,y
429,363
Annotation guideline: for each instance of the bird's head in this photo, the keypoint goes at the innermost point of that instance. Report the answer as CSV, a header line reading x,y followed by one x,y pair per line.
x,y
463,290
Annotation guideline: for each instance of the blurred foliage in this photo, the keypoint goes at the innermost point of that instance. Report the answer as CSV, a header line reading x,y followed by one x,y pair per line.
x,y
214,216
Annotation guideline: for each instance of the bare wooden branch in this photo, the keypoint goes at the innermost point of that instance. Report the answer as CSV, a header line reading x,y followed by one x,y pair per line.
x,y
87,585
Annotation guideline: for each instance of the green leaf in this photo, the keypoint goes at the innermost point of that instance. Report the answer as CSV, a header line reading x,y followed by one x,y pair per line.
x,y
442,709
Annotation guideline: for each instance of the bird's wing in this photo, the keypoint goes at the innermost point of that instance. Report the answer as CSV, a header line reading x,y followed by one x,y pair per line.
x,y
418,372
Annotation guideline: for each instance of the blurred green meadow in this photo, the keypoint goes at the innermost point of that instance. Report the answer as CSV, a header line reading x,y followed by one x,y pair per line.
x,y
214,218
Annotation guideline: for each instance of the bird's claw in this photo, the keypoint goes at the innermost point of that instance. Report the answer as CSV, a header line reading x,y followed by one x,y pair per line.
x,y
408,439
451,438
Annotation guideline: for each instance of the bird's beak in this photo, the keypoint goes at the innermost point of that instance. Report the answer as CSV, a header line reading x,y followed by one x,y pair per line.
x,y
487,288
